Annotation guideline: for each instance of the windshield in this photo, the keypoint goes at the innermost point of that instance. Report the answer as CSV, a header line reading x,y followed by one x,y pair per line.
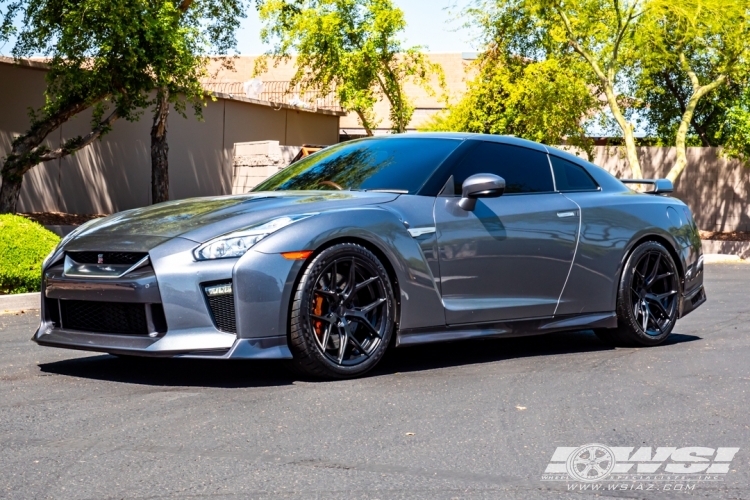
x,y
400,165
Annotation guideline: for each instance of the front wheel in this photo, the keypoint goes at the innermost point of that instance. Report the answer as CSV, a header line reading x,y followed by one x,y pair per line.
x,y
647,298
343,313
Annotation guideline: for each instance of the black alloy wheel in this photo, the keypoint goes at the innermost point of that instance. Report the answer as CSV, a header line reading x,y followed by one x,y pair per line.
x,y
343,313
648,298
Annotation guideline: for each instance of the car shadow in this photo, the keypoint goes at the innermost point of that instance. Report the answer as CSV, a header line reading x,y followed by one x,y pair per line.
x,y
175,372
448,354
264,373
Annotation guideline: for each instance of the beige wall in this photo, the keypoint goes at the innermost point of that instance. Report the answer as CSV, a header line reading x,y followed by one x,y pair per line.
x,y
453,64
115,173
715,189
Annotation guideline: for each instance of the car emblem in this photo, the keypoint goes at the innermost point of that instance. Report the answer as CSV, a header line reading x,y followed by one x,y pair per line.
x,y
100,258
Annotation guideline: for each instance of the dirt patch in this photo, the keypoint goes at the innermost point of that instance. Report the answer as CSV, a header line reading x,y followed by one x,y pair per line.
x,y
60,218
729,236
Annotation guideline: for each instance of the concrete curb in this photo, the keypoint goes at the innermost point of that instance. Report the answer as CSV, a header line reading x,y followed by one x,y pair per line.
x,y
717,258
20,302
738,248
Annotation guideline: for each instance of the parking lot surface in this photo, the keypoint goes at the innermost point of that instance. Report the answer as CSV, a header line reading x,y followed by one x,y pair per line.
x,y
477,419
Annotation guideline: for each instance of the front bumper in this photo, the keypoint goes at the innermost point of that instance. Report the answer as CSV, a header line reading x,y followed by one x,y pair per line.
x,y
173,286
202,345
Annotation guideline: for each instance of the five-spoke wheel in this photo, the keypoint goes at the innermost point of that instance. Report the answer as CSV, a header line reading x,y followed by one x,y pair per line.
x,y
343,313
648,298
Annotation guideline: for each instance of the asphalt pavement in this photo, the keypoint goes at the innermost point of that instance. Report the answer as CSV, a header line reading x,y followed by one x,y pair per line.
x,y
476,419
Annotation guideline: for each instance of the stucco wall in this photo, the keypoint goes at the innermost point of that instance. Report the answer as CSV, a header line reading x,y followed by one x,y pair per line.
x,y
115,173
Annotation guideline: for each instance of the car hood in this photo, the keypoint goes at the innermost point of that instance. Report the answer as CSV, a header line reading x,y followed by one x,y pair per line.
x,y
200,219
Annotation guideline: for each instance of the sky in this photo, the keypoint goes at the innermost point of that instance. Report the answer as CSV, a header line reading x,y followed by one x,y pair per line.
x,y
429,23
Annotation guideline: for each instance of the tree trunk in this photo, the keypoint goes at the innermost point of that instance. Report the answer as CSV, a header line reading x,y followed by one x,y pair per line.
x,y
160,149
687,117
9,193
364,121
627,132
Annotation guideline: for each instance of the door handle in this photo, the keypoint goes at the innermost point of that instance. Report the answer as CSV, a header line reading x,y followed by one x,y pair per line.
x,y
571,213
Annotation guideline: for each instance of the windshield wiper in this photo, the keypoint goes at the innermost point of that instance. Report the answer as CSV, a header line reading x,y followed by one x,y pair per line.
x,y
396,191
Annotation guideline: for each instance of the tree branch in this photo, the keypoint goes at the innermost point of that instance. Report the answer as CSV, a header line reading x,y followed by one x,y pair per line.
x,y
621,28
185,5
578,48
691,74
73,145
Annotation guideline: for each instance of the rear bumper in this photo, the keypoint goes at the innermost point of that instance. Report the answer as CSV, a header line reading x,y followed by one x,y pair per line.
x,y
692,301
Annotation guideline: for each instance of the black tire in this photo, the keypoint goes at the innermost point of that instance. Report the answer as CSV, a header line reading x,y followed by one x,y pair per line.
x,y
648,298
344,295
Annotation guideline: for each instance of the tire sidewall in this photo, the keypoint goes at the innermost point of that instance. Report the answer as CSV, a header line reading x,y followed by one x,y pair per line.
x,y
310,275
625,302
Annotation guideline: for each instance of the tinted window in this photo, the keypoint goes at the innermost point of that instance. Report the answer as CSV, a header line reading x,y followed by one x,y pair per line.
x,y
524,170
571,177
372,164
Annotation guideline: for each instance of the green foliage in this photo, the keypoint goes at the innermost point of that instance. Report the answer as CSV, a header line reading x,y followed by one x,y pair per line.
x,y
736,129
352,46
683,65
688,46
536,100
699,49
590,40
110,55
23,246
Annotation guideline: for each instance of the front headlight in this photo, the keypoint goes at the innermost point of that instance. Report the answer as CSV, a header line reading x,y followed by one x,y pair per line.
x,y
236,243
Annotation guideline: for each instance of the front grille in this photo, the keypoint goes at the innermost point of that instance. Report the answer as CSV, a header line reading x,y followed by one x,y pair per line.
x,y
107,257
222,311
104,317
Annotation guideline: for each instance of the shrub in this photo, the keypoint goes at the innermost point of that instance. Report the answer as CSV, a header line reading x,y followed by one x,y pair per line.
x,y
23,246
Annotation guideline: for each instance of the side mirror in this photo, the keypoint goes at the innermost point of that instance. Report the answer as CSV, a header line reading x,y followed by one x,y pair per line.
x,y
480,186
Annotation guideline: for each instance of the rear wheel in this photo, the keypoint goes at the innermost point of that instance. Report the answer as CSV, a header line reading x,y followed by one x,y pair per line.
x,y
647,298
343,313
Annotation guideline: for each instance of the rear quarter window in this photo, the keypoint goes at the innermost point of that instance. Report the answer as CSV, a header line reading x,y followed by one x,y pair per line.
x,y
571,177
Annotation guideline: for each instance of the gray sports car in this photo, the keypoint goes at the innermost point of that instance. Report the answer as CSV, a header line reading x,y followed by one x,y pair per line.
x,y
378,243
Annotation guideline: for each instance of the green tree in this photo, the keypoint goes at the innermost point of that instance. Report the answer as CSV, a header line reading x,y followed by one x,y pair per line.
x,y
597,33
215,23
351,47
630,48
736,128
536,100
699,50
106,55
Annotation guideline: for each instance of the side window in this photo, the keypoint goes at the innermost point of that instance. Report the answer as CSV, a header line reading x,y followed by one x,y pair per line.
x,y
571,177
524,170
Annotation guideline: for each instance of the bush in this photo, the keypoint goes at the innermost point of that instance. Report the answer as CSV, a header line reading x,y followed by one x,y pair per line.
x,y
23,246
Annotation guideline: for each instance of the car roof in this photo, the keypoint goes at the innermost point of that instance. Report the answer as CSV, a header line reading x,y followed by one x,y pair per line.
x,y
503,139
606,180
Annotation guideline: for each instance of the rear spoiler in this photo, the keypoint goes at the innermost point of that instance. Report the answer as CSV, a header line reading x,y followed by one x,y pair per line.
x,y
661,186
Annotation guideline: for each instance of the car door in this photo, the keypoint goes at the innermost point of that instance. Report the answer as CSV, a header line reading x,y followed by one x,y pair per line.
x,y
509,258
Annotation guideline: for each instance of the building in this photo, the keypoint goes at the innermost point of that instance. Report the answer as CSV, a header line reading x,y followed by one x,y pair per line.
x,y
276,88
114,174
